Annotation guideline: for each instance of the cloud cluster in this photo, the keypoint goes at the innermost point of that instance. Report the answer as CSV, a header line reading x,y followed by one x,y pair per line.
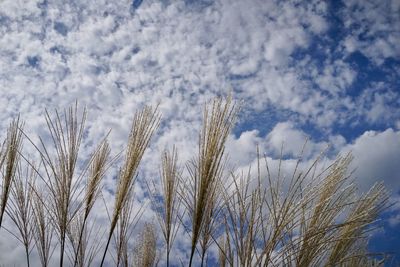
x,y
110,56
370,29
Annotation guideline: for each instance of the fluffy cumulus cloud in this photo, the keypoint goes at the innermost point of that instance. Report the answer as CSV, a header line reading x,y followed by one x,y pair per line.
x,y
376,158
323,71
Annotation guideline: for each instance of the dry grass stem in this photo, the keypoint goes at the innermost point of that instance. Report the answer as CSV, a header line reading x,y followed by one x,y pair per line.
x,y
144,124
97,168
225,255
243,220
127,222
66,134
42,228
83,249
167,209
20,208
206,172
9,158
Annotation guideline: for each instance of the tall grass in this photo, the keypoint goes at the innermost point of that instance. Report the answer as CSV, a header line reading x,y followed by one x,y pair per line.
x,y
263,216
97,168
168,210
59,169
145,253
43,229
201,191
20,208
9,158
144,124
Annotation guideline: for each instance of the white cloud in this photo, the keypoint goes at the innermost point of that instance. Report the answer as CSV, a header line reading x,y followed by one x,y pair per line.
x,y
243,150
376,158
291,140
397,124
336,77
378,104
161,48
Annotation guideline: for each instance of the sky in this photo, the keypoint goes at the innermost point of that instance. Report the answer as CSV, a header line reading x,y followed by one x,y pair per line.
x,y
324,70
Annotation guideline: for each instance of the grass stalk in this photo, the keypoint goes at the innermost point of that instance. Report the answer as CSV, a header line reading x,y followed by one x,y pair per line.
x,y
207,170
20,209
145,252
167,209
9,158
97,170
42,228
66,135
144,124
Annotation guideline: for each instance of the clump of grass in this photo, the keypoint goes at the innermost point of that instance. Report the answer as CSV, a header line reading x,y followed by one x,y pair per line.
x,y
296,222
355,227
280,202
144,124
330,200
312,217
325,239
242,221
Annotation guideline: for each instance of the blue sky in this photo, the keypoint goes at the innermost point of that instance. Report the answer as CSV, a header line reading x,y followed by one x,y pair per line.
x,y
328,70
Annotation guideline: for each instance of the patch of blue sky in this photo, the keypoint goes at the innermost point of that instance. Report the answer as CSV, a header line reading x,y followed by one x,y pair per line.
x,y
199,4
61,28
351,131
235,77
368,74
136,3
386,239
263,121
33,61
